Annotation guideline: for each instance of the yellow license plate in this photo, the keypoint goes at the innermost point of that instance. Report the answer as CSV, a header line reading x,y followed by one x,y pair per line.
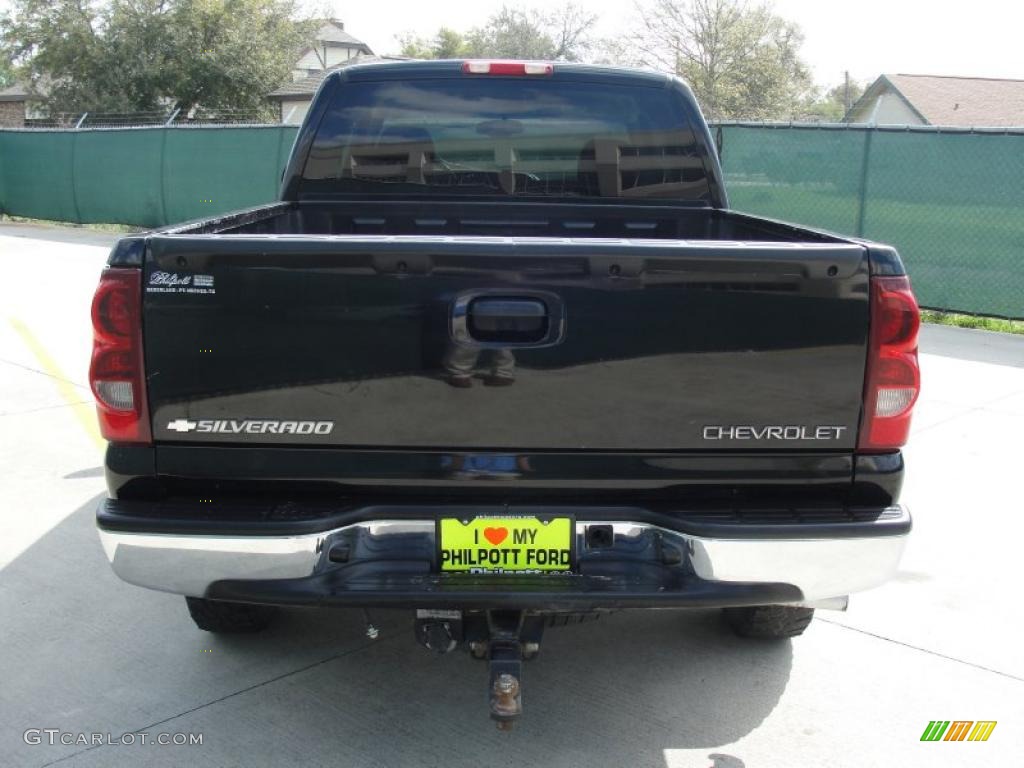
x,y
506,544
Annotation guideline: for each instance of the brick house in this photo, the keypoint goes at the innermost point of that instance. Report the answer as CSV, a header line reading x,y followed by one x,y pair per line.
x,y
13,106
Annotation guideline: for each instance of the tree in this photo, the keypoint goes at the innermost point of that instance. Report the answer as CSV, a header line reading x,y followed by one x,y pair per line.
x,y
512,33
446,44
449,44
243,50
6,72
571,27
832,105
143,55
741,60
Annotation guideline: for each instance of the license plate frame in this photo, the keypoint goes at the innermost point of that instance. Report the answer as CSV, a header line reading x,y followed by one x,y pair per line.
x,y
473,536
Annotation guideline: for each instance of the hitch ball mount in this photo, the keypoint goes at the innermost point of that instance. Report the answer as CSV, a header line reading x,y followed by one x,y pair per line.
x,y
503,638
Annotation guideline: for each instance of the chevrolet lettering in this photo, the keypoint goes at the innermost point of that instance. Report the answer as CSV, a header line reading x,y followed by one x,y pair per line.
x,y
792,432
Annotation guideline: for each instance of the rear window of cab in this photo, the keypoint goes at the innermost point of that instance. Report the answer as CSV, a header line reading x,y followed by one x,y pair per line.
x,y
507,136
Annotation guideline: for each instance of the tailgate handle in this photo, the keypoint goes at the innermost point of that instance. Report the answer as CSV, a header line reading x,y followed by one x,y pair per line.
x,y
508,320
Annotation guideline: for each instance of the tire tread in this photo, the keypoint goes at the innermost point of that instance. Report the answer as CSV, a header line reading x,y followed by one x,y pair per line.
x,y
228,618
773,622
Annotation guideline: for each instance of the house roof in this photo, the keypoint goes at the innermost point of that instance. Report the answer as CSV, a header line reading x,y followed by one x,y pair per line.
x,y
333,31
16,92
332,34
305,87
955,101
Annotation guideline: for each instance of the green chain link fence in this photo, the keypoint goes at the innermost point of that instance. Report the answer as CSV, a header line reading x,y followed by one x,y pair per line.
x,y
951,202
145,177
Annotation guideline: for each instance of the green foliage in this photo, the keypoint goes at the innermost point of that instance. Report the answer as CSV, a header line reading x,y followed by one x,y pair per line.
x,y
830,106
142,55
979,322
115,229
6,72
512,33
741,60
446,44
449,44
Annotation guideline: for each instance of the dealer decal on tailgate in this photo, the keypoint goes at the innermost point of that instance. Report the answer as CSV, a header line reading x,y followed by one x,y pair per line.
x,y
506,544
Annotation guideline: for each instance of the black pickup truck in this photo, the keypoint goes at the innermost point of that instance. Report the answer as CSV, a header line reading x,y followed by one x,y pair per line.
x,y
502,354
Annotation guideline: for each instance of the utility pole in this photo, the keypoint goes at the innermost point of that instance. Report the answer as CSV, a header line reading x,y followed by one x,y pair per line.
x,y
846,93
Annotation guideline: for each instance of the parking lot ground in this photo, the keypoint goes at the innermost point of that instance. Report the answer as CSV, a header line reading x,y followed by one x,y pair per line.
x,y
84,653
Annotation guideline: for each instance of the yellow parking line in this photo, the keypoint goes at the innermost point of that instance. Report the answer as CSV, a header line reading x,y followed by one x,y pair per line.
x,y
85,412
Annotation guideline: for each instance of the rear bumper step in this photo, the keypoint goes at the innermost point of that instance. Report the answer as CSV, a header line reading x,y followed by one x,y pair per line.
x,y
393,562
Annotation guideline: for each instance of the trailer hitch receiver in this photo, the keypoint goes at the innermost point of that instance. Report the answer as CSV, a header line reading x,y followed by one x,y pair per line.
x,y
509,637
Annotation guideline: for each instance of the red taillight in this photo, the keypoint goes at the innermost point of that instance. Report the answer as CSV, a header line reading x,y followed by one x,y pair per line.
x,y
116,373
479,67
893,378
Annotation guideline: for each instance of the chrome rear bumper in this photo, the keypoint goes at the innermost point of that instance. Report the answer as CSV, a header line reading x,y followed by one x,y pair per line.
x,y
398,555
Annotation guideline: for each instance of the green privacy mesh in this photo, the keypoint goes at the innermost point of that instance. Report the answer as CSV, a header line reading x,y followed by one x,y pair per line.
x,y
952,203
147,177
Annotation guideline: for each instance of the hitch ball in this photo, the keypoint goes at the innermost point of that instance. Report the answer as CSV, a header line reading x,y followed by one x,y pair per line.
x,y
505,702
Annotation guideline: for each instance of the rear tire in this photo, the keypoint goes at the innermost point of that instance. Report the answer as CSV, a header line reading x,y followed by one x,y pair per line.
x,y
228,618
773,622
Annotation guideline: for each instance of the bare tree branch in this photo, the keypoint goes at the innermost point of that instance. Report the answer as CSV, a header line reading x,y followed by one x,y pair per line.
x,y
741,60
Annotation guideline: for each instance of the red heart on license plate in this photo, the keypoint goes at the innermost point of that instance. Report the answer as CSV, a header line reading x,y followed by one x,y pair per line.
x,y
495,535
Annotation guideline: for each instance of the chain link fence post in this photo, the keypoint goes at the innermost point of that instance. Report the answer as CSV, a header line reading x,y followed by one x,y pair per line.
x,y
862,191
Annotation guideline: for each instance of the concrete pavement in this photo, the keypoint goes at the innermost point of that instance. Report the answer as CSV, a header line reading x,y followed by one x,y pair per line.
x,y
82,652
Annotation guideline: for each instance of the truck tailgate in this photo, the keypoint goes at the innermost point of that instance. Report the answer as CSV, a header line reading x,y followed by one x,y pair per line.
x,y
635,345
